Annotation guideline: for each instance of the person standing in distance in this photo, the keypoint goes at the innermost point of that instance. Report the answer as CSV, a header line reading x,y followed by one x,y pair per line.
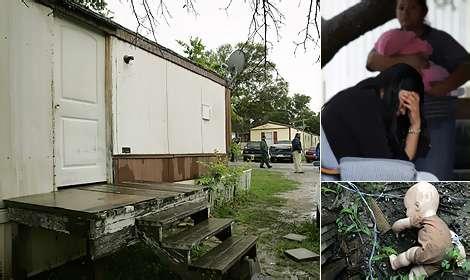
x,y
297,153
264,153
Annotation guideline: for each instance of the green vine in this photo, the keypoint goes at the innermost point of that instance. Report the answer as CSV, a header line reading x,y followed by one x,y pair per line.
x,y
349,221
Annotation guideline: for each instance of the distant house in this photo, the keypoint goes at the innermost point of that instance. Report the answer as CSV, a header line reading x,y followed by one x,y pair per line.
x,y
277,132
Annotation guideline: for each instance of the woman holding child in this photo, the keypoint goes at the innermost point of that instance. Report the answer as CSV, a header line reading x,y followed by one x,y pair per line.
x,y
444,66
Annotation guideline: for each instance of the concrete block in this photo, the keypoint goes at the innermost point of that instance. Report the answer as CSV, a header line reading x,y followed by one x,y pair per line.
x,y
301,254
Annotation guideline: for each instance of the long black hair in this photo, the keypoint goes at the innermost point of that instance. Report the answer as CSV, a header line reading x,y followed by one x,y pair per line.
x,y
391,81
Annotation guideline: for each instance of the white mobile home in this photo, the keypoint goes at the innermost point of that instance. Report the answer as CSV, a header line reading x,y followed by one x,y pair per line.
x,y
84,100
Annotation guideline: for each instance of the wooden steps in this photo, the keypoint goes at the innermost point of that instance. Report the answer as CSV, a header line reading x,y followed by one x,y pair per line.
x,y
191,237
331,264
221,258
232,256
173,214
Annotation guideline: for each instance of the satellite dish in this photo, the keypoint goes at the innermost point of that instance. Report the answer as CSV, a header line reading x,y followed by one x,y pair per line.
x,y
236,64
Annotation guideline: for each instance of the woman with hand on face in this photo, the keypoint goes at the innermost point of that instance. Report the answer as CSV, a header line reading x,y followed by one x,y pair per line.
x,y
379,117
438,106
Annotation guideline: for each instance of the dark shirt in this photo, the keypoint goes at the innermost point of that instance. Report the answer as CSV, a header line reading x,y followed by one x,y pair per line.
x,y
447,52
353,123
296,145
264,147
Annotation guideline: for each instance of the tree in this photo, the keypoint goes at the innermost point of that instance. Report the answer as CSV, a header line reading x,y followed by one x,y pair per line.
x,y
196,51
259,93
347,26
266,18
355,21
303,116
98,6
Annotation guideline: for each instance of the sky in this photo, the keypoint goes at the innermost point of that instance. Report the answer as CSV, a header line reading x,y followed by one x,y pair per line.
x,y
217,26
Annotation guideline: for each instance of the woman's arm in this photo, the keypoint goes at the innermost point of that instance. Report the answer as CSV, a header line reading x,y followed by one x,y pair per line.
x,y
457,78
378,62
411,102
411,145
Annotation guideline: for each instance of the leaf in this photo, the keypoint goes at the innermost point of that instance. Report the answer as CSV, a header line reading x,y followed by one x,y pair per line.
x,y
328,190
387,250
349,228
445,264
366,230
466,266
347,211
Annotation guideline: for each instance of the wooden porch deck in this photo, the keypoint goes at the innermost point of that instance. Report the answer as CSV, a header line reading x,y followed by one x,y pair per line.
x,y
104,214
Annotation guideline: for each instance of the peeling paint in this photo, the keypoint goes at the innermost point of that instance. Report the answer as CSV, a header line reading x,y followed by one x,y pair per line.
x,y
37,219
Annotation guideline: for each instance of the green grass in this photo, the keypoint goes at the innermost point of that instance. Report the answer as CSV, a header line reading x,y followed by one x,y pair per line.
x,y
258,207
266,184
258,212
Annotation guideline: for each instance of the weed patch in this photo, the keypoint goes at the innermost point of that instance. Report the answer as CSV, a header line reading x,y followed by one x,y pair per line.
x,y
259,212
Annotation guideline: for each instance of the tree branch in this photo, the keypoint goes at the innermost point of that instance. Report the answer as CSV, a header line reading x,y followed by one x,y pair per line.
x,y
347,26
264,14
148,21
306,32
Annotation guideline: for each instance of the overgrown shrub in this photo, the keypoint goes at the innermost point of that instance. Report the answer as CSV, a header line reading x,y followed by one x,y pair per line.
x,y
219,171
235,150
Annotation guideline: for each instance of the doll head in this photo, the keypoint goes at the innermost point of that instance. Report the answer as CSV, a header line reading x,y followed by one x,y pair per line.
x,y
421,199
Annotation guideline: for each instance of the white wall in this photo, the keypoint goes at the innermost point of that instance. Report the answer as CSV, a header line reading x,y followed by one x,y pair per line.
x,y
139,101
348,66
25,99
213,96
157,106
184,110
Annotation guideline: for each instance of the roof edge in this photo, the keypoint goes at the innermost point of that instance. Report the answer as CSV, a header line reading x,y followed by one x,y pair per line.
x,y
281,124
75,11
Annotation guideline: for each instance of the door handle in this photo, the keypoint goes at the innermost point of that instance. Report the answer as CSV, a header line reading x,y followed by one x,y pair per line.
x,y
57,106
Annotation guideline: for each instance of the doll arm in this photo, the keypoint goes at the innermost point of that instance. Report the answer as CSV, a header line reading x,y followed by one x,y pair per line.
x,y
404,259
401,225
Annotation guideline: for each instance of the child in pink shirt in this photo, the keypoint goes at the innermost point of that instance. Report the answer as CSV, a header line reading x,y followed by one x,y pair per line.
x,y
398,42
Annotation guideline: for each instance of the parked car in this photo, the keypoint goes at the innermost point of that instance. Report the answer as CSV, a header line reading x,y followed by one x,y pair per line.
x,y
252,151
311,155
281,152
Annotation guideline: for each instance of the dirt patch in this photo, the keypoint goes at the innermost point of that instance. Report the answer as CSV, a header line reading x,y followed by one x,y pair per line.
x,y
276,206
302,202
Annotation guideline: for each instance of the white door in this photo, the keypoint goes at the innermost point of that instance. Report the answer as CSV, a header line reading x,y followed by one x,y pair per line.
x,y
269,138
79,111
